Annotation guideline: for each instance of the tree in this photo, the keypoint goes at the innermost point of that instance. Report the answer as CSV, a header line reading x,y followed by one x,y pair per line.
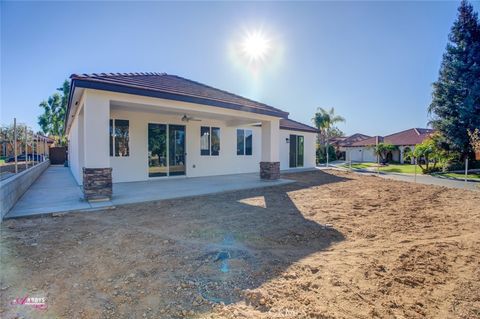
x,y
455,102
7,136
475,141
324,120
432,151
382,150
52,121
322,156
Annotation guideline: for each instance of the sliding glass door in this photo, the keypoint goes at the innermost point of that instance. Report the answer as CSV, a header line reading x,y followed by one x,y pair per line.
x,y
296,150
166,150
176,148
157,150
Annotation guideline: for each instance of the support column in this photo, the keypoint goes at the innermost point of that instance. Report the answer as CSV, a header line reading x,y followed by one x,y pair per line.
x,y
270,164
401,154
97,173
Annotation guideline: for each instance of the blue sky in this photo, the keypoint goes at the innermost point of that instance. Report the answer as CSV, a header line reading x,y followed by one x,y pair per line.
x,y
373,61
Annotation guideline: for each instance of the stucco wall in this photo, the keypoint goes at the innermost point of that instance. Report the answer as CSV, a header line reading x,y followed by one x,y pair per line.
x,y
361,154
89,139
309,149
135,166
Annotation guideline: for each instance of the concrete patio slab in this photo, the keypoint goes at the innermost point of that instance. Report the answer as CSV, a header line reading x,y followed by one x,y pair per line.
x,y
56,191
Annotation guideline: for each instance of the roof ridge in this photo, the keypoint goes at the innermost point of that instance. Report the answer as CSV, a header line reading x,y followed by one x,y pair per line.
x,y
110,74
400,132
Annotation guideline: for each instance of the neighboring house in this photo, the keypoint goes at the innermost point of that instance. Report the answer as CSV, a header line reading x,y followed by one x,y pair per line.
x,y
363,150
141,126
339,143
42,145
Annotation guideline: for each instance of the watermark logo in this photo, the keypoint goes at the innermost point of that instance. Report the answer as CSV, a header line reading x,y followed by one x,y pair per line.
x,y
39,303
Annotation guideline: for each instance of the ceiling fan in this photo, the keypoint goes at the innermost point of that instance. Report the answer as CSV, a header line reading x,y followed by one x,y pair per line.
x,y
186,118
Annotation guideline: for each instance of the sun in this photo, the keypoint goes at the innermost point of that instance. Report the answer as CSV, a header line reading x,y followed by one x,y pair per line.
x,y
255,46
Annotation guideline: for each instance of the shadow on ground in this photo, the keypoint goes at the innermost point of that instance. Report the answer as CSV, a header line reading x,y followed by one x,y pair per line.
x,y
167,259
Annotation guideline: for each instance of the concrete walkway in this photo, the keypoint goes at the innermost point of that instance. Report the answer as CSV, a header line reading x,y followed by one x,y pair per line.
x,y
56,191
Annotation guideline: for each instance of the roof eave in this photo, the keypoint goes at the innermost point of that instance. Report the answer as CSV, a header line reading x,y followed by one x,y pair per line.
x,y
82,83
299,130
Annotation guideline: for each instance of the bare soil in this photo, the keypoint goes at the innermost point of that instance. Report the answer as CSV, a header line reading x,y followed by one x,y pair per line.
x,y
330,245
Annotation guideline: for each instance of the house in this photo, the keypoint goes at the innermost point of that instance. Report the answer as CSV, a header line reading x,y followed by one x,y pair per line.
x,y
363,150
125,127
339,143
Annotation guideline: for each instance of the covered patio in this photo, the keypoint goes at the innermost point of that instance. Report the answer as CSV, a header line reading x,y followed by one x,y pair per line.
x,y
56,191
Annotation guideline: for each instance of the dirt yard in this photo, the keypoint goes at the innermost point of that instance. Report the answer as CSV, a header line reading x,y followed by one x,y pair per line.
x,y
334,245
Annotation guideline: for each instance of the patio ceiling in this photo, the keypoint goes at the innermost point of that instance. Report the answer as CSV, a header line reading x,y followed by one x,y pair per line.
x,y
230,120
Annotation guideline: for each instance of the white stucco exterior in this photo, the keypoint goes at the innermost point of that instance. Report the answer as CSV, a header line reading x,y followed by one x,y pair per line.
x,y
89,135
367,154
360,154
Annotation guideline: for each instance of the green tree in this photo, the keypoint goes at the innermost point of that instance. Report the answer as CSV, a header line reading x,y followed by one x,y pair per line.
x,y
455,105
432,152
52,121
324,121
382,150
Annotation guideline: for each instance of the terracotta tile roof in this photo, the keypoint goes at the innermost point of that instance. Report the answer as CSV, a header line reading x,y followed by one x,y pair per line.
x,y
368,141
287,124
411,136
357,137
172,87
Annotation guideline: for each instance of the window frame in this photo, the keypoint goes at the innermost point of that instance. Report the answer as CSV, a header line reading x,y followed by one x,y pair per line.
x,y
210,151
113,135
246,138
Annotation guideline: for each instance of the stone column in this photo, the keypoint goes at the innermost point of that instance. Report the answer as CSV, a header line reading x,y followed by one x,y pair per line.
x,y
97,183
270,164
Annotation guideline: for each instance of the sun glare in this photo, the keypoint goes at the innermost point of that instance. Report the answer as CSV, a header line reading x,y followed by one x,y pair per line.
x,y
255,46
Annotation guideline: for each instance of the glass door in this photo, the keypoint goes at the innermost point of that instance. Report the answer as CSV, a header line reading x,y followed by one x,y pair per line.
x,y
293,150
157,150
296,150
176,149
300,142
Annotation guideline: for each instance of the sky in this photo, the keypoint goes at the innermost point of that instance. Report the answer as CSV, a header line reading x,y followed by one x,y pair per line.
x,y
374,62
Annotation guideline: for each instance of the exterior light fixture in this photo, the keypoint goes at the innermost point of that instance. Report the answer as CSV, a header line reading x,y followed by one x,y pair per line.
x,y
287,140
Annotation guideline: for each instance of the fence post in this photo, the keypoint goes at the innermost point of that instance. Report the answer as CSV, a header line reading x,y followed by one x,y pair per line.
x,y
26,147
34,146
15,143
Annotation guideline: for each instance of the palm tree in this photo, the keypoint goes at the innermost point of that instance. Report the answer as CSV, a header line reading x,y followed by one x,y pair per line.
x,y
324,120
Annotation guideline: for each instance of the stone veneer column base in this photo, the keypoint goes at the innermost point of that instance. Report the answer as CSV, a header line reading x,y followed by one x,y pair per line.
x,y
269,170
97,183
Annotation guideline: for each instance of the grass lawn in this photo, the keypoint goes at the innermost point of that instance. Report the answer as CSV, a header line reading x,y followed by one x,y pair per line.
x,y
392,168
461,176
359,165
401,168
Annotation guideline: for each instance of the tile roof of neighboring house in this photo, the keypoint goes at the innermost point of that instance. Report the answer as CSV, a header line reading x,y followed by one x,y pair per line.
x,y
287,124
353,139
367,142
411,136
171,87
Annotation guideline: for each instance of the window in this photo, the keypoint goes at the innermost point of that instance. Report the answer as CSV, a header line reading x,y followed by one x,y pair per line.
x,y
215,138
244,142
209,140
119,137
204,140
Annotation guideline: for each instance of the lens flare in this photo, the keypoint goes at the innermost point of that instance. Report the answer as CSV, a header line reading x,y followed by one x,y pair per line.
x,y
255,46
